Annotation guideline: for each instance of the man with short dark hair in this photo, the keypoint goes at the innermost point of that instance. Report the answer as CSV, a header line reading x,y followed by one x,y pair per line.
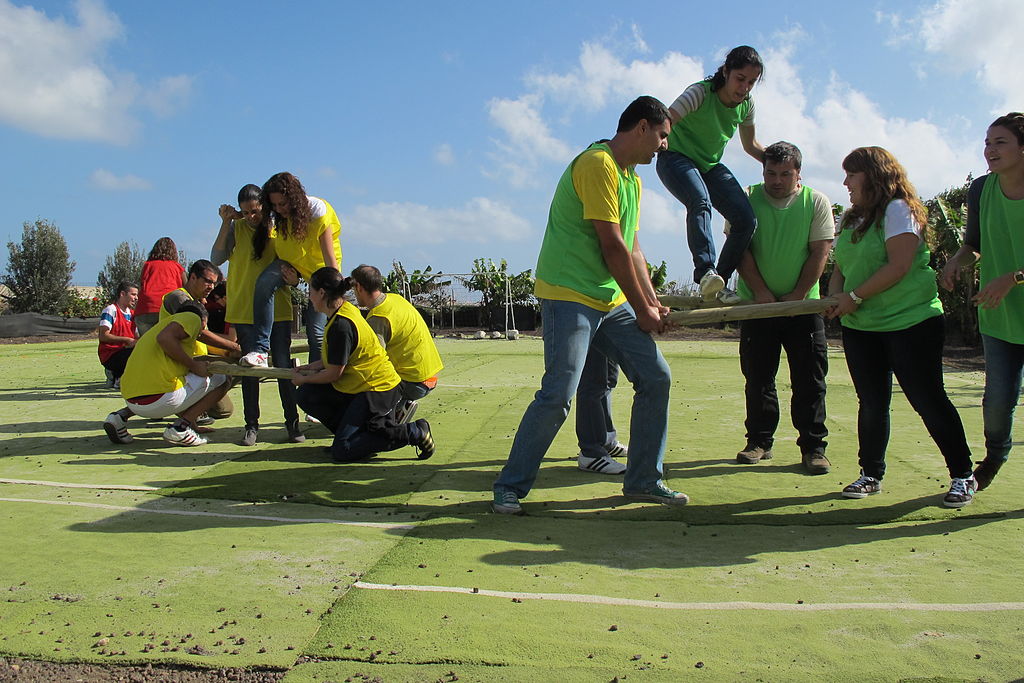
x,y
403,334
784,262
164,378
594,290
117,332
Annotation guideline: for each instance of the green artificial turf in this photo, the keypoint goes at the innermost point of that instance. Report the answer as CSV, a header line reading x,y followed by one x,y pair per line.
x,y
765,534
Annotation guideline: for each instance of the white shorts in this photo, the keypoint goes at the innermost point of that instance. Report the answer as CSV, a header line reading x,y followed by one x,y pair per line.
x,y
174,402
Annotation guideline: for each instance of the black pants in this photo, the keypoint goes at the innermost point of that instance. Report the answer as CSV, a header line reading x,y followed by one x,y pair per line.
x,y
117,362
362,424
761,344
914,355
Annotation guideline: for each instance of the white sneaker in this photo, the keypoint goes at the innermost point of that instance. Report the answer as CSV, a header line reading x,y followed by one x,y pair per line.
x,y
254,359
710,285
619,450
728,297
311,419
405,411
599,465
186,437
116,428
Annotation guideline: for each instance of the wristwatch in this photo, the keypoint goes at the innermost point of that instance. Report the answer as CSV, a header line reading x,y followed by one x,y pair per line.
x,y
1018,277
856,299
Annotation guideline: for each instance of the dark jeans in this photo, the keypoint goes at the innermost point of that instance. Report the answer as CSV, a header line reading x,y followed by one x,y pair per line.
x,y
595,430
914,355
1004,371
362,424
699,192
280,357
117,362
761,344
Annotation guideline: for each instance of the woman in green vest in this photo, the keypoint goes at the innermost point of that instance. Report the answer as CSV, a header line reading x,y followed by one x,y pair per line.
x,y
892,320
704,118
354,388
995,234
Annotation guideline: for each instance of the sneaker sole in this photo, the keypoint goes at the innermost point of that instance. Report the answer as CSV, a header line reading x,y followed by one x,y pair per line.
x,y
112,434
651,498
712,289
506,510
187,441
958,504
854,494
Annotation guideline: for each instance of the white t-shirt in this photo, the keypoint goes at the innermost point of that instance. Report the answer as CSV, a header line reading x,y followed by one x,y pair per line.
x,y
109,315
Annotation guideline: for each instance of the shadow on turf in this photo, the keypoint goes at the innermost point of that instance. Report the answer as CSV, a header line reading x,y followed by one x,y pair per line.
x,y
74,390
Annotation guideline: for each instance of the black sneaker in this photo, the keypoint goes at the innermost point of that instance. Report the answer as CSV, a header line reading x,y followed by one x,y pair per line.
x,y
752,454
426,442
961,492
863,487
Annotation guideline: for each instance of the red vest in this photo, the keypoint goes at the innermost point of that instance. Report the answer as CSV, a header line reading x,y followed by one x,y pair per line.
x,y
123,327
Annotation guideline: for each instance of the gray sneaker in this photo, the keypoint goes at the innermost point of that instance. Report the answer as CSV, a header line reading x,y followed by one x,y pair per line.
x,y
250,436
659,494
506,502
728,297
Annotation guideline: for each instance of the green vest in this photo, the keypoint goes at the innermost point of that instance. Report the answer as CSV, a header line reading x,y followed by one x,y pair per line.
x,y
570,255
780,244
368,367
910,301
1002,251
703,134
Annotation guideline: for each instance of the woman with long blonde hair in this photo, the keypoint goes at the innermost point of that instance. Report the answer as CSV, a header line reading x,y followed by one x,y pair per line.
x,y
892,319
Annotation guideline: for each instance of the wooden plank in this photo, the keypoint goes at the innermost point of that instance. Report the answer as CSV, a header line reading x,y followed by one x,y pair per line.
x,y
219,367
779,309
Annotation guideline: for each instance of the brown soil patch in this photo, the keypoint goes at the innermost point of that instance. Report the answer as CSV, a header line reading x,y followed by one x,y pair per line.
x,y
31,671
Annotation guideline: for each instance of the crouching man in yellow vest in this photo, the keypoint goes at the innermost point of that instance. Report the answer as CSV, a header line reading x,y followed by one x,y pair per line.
x,y
404,335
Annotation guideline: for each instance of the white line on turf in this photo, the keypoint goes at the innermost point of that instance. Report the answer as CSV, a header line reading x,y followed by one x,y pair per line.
x,y
65,485
701,606
201,513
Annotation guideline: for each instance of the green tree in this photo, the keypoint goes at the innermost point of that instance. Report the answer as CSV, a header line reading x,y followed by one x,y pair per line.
x,y
659,278
124,265
38,270
947,218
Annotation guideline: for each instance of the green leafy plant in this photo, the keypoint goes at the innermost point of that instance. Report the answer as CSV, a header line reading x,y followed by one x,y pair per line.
x,y
38,270
124,265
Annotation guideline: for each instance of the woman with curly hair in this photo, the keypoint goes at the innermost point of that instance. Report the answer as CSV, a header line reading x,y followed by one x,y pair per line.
x,y
704,119
892,320
306,239
161,273
995,235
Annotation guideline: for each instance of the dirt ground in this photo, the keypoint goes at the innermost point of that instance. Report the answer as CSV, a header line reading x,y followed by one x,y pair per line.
x,y
29,671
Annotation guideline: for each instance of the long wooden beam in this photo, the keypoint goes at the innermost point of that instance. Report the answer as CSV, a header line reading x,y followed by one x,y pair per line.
x,y
779,309
219,367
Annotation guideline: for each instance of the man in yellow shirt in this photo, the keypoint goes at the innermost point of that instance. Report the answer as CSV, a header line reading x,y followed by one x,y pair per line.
x,y
163,378
404,335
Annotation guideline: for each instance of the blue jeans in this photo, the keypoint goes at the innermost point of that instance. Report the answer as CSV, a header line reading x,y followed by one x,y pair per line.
x,y
595,430
280,357
914,355
570,329
1004,371
699,192
361,423
413,391
268,282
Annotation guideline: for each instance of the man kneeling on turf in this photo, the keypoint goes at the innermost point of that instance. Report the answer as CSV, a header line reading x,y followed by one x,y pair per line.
x,y
163,378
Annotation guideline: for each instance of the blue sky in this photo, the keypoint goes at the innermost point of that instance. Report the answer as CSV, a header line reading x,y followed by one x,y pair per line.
x,y
438,130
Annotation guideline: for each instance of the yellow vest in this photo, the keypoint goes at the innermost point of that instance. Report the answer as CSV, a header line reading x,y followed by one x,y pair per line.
x,y
368,367
198,348
411,348
150,370
243,272
306,256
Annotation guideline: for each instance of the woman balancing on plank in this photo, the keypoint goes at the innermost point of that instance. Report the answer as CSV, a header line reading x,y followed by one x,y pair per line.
x,y
892,320
355,389
704,118
307,238
235,244
995,234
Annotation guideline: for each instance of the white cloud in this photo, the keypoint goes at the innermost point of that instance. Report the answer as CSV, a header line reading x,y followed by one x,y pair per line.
x,y
980,36
103,179
480,220
55,81
444,155
528,140
660,212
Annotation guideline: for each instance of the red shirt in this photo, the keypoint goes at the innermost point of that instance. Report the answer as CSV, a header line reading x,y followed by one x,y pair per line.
x,y
158,278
